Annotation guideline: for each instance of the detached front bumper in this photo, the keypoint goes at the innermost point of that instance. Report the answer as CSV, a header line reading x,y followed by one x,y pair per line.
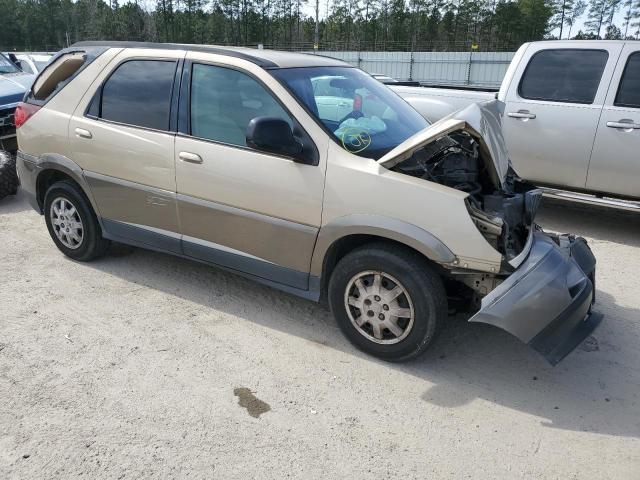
x,y
546,302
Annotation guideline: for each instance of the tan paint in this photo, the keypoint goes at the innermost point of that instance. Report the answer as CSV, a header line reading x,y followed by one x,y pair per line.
x,y
357,185
133,203
277,241
131,170
274,187
47,130
266,206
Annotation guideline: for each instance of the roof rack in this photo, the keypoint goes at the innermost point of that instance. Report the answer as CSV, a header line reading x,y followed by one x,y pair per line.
x,y
221,50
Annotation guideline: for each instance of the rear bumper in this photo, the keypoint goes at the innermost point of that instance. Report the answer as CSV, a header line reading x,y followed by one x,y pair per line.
x,y
546,302
28,171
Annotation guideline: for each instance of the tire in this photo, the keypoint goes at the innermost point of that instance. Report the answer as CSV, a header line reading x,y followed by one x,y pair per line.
x,y
8,176
81,238
421,308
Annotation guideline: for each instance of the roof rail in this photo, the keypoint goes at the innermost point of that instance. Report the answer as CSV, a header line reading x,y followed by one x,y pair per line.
x,y
220,50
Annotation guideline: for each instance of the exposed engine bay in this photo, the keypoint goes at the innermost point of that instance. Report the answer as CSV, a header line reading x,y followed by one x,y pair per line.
x,y
503,213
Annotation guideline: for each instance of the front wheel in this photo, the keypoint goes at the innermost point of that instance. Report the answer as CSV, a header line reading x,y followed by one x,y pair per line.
x,y
388,301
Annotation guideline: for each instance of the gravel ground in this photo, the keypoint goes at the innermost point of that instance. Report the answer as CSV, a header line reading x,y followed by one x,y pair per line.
x,y
142,365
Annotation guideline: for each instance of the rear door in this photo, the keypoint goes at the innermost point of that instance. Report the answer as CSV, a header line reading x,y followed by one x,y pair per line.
x,y
552,112
615,162
122,137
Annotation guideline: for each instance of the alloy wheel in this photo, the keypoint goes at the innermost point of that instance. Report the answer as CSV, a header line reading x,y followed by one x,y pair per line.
x,y
66,222
379,307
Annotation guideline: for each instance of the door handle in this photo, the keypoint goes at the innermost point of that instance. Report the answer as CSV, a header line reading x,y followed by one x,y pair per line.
x,y
624,124
82,133
190,157
524,114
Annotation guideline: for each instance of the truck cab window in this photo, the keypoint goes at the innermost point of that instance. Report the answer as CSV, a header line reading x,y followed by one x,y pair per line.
x,y
629,90
563,75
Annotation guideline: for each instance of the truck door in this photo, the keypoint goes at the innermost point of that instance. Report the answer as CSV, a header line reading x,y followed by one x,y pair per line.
x,y
552,110
615,161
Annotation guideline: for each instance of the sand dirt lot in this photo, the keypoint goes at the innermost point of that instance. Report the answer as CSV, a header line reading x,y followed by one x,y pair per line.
x,y
142,365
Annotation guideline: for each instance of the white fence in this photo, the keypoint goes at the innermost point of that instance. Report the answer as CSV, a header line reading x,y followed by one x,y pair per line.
x,y
482,69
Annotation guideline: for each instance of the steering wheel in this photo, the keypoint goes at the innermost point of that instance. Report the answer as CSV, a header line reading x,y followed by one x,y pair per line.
x,y
355,114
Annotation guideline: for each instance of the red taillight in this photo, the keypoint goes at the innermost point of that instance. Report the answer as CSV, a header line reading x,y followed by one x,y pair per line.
x,y
357,103
24,111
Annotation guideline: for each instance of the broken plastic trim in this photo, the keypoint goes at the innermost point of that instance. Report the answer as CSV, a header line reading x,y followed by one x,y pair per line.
x,y
546,302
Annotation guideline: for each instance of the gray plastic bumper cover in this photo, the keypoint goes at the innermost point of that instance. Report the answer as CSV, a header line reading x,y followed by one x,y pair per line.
x,y
546,302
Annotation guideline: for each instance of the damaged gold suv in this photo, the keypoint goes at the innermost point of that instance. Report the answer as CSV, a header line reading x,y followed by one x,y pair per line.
x,y
308,175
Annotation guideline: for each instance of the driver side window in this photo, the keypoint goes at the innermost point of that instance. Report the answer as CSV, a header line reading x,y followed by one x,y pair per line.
x,y
224,101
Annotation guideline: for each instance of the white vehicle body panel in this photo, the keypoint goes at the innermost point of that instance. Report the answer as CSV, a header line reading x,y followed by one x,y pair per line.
x,y
560,144
435,103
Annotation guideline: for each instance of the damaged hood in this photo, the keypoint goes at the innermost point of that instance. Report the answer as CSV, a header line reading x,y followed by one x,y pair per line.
x,y
481,120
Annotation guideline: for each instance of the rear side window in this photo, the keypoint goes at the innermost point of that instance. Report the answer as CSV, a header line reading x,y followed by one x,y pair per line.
x,y
57,75
564,75
629,90
138,93
224,101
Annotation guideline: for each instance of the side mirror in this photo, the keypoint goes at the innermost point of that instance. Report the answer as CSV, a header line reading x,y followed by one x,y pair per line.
x,y
273,135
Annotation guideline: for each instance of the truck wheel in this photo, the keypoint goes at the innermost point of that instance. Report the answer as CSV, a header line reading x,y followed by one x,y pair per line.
x,y
388,301
71,222
8,177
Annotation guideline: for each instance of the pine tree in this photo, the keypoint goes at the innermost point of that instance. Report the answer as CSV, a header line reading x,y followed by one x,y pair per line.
x,y
601,13
577,10
631,16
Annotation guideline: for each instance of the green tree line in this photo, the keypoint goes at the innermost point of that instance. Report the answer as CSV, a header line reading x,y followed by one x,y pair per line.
x,y
290,24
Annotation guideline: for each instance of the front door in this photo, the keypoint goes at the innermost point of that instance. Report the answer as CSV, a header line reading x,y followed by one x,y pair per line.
x,y
615,162
551,116
247,210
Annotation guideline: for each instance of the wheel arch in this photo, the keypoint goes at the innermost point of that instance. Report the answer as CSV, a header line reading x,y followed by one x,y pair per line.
x,y
54,168
339,237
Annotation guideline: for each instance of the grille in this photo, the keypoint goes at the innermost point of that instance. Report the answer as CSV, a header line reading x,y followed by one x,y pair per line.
x,y
7,129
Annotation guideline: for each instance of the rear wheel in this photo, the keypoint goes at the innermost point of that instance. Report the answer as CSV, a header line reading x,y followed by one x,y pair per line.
x,y
388,301
71,222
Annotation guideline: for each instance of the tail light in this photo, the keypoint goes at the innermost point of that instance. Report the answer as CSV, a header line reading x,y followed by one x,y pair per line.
x,y
24,111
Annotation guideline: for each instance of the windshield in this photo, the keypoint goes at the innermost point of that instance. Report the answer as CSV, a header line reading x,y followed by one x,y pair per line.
x,y
6,66
362,115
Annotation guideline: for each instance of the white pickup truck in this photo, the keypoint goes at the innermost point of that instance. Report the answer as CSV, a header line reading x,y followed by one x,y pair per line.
x,y
571,115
